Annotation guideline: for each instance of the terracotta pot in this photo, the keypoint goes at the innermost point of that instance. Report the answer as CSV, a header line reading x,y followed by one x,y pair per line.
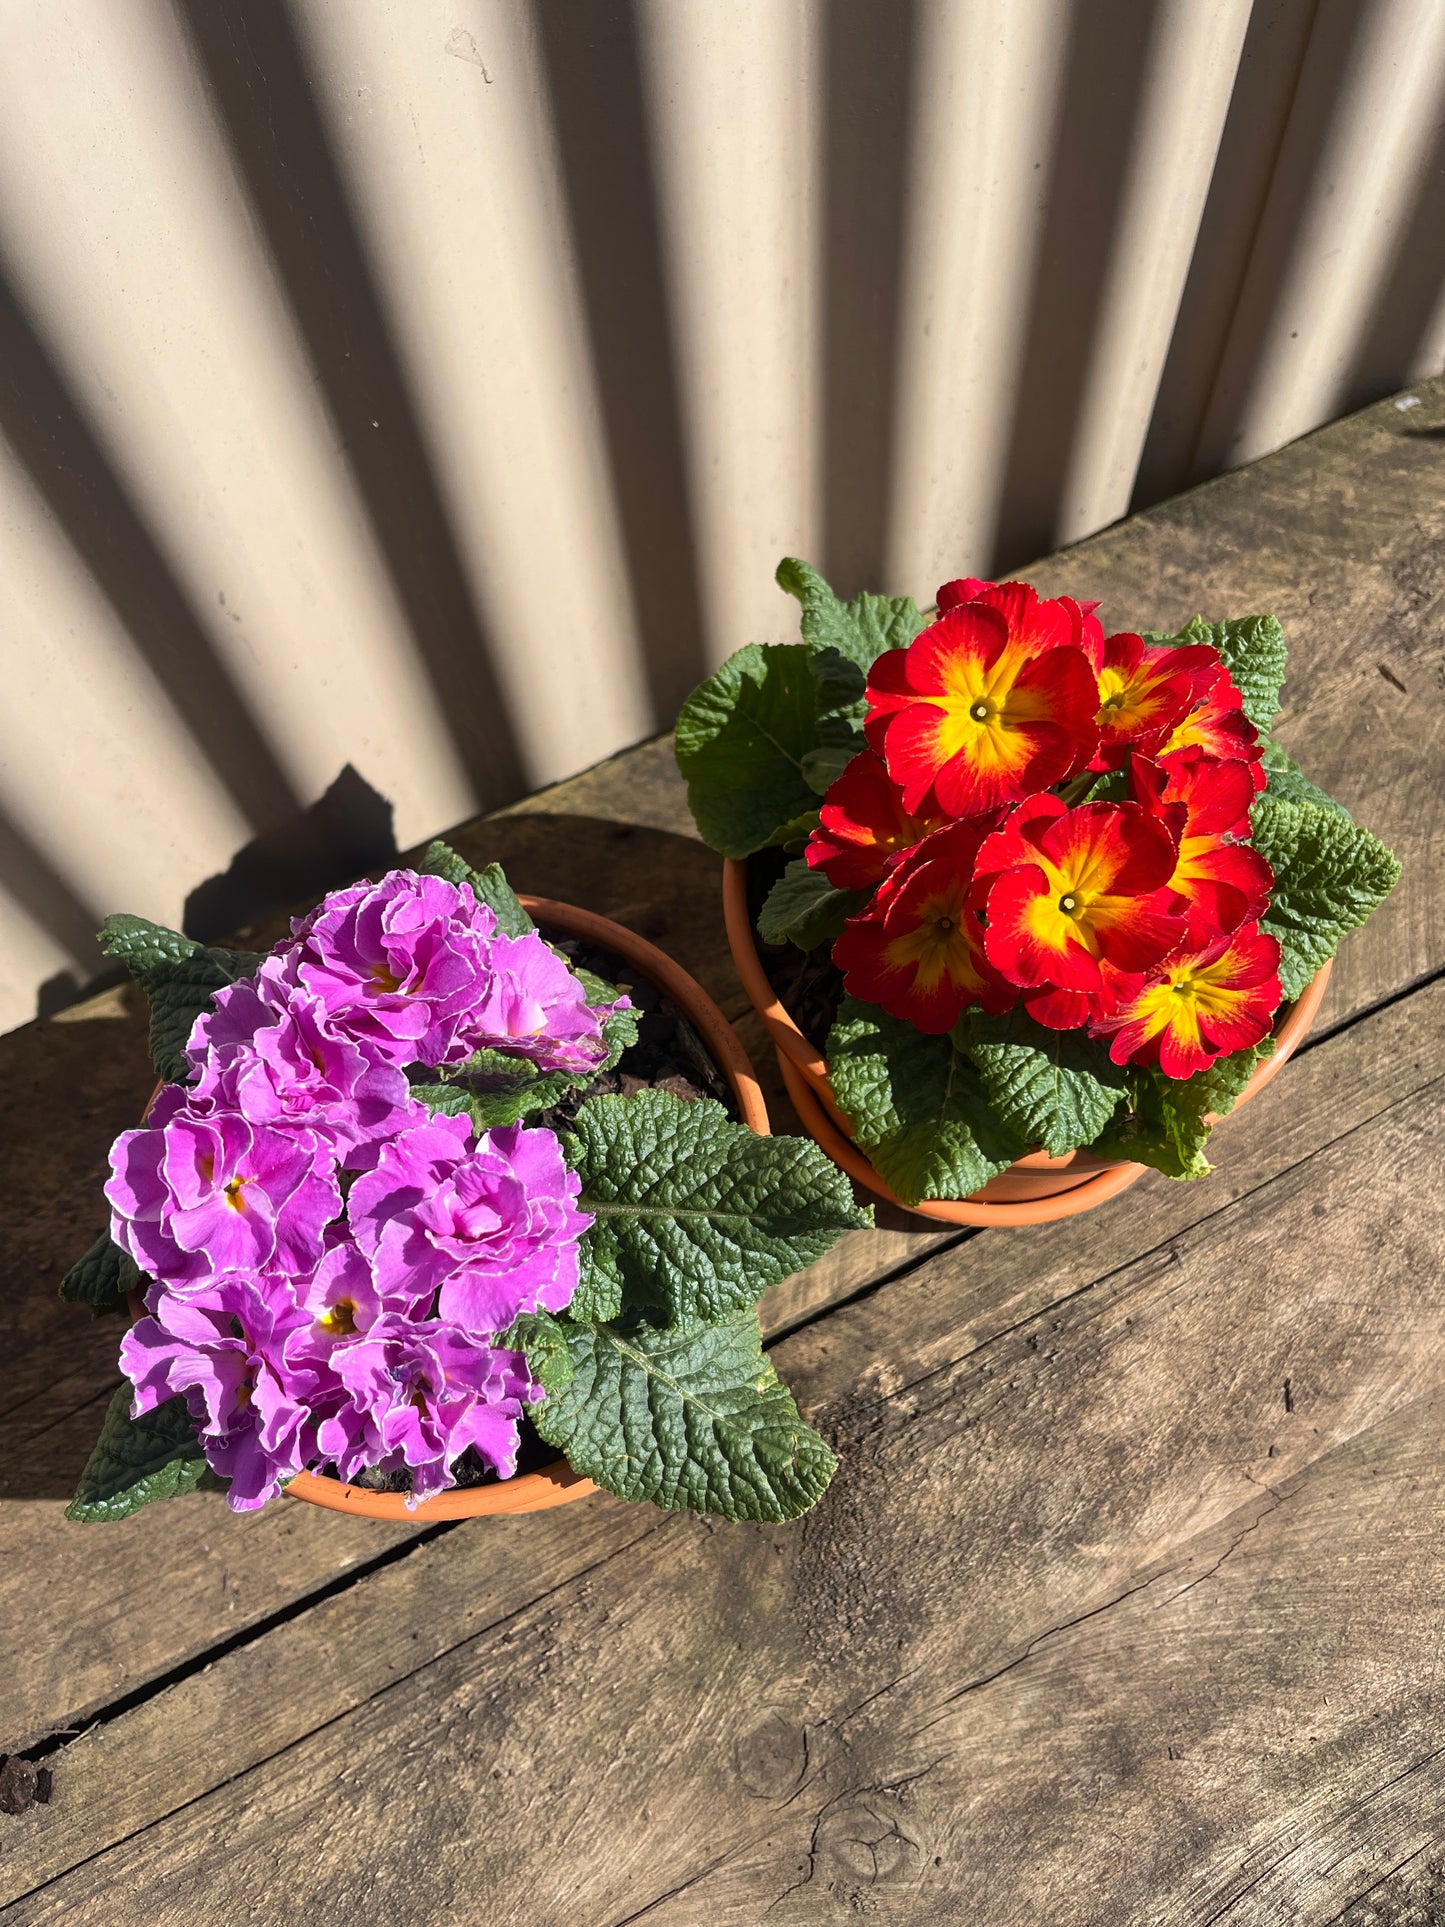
x,y
1036,1189
557,1483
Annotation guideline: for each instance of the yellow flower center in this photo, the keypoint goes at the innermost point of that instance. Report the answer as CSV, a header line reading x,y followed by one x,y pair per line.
x,y
384,978
980,711
233,1193
340,1318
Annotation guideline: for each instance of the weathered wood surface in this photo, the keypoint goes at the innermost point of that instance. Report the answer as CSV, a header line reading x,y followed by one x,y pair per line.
x,y
1124,1606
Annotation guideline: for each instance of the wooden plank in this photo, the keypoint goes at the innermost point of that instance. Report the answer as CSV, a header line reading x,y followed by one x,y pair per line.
x,y
1245,1736
154,1591
1341,533
696,1679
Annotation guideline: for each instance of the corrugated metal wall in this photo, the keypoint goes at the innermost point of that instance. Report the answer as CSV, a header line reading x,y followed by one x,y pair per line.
x,y
403,402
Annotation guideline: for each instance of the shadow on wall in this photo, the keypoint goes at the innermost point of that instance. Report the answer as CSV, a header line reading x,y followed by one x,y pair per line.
x,y
869,100
1410,295
345,832
47,427
593,67
256,74
1294,71
1105,66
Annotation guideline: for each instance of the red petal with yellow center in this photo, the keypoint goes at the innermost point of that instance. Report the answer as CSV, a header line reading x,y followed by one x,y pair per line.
x,y
1145,691
864,827
1218,726
1198,1006
918,948
1075,889
1035,622
1220,883
970,718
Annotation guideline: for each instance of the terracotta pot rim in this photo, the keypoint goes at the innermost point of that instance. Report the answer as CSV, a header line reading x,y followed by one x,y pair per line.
x,y
556,1483
805,1073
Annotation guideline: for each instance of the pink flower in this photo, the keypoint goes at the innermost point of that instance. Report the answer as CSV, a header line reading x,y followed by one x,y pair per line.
x,y
193,1195
534,1007
491,1228
268,1049
418,1394
226,1351
398,965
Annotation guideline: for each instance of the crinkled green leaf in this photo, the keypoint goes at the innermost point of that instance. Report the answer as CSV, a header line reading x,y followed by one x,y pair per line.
x,y
489,886
102,1277
915,1105
861,629
513,1093
1288,783
141,945
619,1028
693,1418
1329,874
1254,652
804,908
698,1214
544,1339
1164,1124
179,977
137,1461
178,993
742,739
1052,1088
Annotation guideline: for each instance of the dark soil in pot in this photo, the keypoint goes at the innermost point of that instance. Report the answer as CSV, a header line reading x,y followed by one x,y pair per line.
x,y
808,983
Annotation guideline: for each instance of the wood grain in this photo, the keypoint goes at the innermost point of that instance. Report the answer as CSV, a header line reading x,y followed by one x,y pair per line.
x,y
698,1677
1077,1505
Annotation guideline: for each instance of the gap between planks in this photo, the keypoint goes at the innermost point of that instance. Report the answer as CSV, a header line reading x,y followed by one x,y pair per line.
x,y
819,1336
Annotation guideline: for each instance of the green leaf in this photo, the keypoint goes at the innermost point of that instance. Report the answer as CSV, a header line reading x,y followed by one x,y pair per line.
x,y
137,1461
142,946
102,1277
685,1418
696,1213
1164,1123
804,908
916,1106
1053,1088
179,977
1288,782
1254,652
742,739
861,629
494,1088
1329,874
544,1339
489,886
178,993
823,767
619,1030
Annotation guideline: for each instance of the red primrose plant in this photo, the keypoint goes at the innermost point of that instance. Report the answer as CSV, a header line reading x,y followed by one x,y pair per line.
x,y
1053,885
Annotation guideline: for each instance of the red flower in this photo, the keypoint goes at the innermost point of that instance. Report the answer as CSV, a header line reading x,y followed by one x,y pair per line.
x,y
1145,690
1218,725
994,700
1018,603
918,948
864,827
1220,883
1199,1005
1074,890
